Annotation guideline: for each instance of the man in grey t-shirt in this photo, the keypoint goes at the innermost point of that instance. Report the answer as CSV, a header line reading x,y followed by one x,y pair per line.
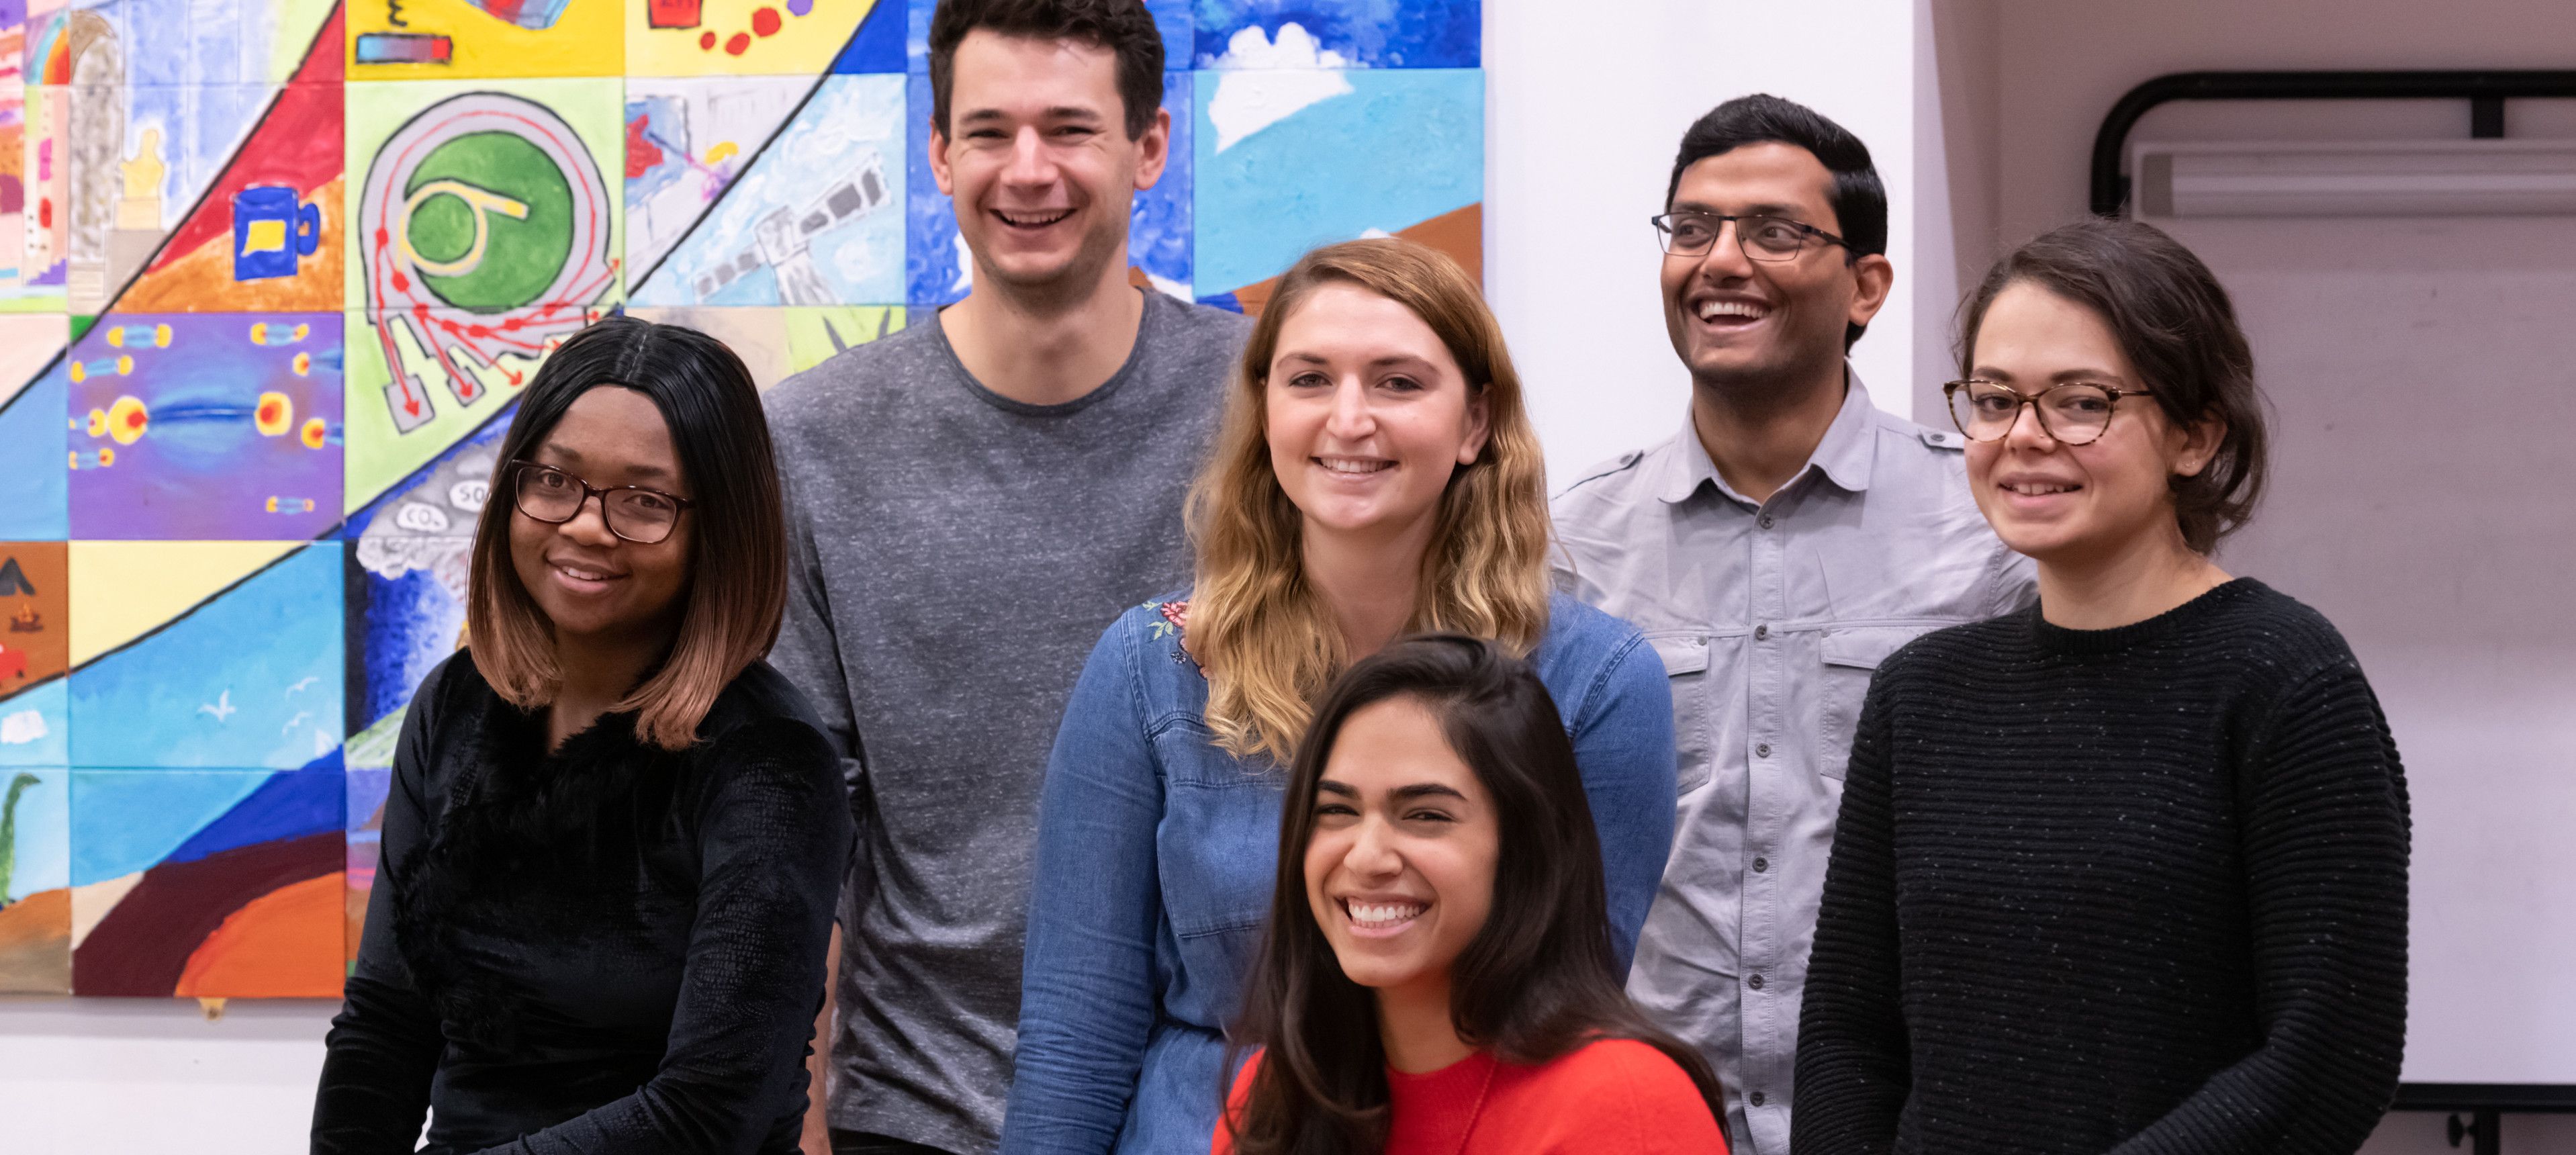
x,y
970,502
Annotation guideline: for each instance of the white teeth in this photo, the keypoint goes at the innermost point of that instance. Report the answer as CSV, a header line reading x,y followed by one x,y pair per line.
x,y
1353,464
2038,489
1708,309
1033,222
1383,913
581,574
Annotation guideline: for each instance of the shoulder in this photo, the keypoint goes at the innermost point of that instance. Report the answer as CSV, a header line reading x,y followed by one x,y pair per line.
x,y
2279,643
1182,326
1948,654
1623,1082
1610,484
1588,654
821,399
763,720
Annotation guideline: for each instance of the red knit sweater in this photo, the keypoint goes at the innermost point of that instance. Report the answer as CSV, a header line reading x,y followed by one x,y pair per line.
x,y
1612,1096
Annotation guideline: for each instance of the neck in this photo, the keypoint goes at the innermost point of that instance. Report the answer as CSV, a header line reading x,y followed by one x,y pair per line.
x,y
2143,577
597,674
1369,582
1045,348
1416,1029
1760,435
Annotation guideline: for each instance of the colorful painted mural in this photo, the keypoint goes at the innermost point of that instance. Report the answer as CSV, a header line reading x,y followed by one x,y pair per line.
x,y
272,273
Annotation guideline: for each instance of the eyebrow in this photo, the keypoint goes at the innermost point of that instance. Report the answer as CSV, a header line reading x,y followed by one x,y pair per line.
x,y
1761,210
1417,790
1055,112
573,459
2061,377
1391,359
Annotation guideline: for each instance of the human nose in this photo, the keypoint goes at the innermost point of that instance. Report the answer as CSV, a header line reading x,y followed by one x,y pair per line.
x,y
1029,163
1350,419
589,522
1725,259
2029,431
1373,853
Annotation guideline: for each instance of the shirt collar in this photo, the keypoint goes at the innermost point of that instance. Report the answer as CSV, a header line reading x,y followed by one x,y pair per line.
x,y
1844,456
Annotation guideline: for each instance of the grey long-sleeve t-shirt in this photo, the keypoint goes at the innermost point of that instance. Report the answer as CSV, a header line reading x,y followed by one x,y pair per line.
x,y
953,556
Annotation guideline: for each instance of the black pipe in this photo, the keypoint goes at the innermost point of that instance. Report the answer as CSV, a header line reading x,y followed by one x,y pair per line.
x,y
2487,89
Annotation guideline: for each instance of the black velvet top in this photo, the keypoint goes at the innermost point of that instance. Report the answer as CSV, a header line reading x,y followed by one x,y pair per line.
x,y
2139,891
611,948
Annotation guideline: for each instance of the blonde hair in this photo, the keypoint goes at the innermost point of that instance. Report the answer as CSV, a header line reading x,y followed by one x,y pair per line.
x,y
1256,625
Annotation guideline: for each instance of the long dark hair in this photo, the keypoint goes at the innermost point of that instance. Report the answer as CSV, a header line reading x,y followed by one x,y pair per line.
x,y
2175,323
738,555
1536,983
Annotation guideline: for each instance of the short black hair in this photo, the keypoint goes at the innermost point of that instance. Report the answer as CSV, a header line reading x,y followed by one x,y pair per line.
x,y
1858,198
1124,27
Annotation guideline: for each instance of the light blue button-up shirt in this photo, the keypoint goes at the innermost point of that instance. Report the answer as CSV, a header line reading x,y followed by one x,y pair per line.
x,y
1770,617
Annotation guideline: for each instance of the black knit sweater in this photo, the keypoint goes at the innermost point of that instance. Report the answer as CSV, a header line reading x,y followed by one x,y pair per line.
x,y
609,948
2132,890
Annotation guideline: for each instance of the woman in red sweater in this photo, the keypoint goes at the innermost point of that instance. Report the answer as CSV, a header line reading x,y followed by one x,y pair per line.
x,y
1437,978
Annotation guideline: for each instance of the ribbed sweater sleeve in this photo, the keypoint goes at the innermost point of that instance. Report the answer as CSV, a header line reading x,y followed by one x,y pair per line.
x,y
2325,845
1852,1072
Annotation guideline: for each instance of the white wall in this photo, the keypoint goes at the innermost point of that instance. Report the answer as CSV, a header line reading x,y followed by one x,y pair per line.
x,y
1583,116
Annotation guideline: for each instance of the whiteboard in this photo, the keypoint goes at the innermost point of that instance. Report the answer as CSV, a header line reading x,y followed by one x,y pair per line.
x,y
2422,374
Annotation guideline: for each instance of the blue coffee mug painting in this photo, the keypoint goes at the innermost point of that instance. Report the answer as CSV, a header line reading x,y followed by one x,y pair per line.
x,y
270,231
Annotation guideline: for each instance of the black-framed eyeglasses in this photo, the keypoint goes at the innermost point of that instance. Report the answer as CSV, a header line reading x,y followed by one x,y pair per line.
x,y
1763,238
636,513
2074,413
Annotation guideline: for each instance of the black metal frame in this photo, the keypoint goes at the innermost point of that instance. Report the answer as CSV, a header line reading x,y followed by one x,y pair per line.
x,y
2486,1105
2485,90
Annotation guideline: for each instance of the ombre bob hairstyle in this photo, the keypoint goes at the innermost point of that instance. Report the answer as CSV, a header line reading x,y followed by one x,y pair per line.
x,y
1537,982
737,565
1259,629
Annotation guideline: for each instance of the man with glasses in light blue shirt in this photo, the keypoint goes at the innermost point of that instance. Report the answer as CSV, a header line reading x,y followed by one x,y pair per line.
x,y
1788,539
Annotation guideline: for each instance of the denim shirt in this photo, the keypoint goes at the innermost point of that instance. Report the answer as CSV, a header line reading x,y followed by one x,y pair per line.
x,y
1157,852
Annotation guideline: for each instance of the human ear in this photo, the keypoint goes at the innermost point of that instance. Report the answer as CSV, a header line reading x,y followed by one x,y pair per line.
x,y
1154,150
939,170
1480,416
2193,445
1873,276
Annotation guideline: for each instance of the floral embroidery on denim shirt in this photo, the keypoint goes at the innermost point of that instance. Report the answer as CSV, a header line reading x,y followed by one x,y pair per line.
x,y
1176,619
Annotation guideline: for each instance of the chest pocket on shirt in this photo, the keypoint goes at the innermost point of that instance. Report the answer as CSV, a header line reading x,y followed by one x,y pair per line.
x,y
1851,656
1686,668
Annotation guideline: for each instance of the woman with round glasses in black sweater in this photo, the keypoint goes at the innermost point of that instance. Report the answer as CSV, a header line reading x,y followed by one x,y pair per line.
x,y
2125,872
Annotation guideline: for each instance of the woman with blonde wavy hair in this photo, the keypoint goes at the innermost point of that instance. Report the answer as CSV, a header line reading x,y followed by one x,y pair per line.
x,y
1376,476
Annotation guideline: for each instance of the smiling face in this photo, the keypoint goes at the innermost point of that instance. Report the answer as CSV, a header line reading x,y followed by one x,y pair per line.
x,y
1038,160
1739,322
2072,504
591,583
1400,862
1367,415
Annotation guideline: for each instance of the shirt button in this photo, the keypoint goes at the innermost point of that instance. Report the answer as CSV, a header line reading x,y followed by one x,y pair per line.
x,y
1761,631
1755,982
1766,521
1761,864
1754,1098
1762,751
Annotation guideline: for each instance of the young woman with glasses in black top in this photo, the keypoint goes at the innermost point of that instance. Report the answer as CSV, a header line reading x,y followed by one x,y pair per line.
x,y
615,837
